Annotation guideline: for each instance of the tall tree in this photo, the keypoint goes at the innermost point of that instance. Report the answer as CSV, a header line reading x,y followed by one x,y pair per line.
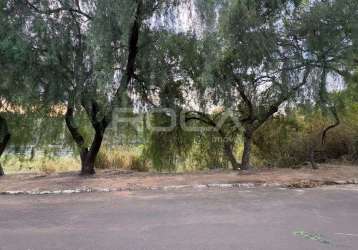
x,y
15,70
230,68
91,48
257,63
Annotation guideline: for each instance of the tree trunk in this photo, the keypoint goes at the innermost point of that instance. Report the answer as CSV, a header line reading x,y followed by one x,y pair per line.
x,y
4,139
245,163
1,171
88,157
228,150
87,165
312,157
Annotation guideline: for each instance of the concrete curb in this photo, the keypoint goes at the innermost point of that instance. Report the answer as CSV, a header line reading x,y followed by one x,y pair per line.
x,y
108,190
299,184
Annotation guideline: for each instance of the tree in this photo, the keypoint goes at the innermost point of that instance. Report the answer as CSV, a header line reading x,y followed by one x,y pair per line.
x,y
15,68
229,68
253,64
261,55
265,58
91,48
331,30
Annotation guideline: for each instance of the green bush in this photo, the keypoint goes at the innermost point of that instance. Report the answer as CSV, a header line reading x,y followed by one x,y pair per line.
x,y
180,150
288,140
206,153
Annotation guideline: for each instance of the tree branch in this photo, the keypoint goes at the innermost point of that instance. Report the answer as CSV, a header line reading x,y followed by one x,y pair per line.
x,y
76,135
57,10
336,124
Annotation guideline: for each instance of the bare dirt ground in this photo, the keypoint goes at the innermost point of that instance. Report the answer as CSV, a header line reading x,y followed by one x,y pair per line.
x,y
126,180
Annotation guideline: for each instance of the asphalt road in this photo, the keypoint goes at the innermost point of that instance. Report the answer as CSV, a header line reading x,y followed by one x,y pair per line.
x,y
324,218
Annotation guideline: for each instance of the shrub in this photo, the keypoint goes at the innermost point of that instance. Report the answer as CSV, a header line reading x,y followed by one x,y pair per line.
x,y
206,152
286,141
48,167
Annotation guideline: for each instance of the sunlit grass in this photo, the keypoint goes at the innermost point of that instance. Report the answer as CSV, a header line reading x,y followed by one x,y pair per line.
x,y
14,164
122,157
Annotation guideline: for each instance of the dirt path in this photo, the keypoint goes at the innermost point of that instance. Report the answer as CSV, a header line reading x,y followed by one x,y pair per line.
x,y
115,179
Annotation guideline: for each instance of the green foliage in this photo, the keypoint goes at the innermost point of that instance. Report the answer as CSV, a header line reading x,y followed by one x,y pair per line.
x,y
180,150
206,153
287,141
247,56
166,148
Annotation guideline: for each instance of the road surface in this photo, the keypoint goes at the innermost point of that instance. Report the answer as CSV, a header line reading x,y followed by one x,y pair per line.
x,y
251,219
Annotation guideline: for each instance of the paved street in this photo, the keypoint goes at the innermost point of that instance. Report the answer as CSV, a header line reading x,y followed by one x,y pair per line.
x,y
251,219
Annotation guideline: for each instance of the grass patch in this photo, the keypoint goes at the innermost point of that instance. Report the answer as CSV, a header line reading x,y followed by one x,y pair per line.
x,y
122,157
41,164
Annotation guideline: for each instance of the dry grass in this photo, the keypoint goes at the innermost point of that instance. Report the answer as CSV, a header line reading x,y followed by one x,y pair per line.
x,y
41,164
128,158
